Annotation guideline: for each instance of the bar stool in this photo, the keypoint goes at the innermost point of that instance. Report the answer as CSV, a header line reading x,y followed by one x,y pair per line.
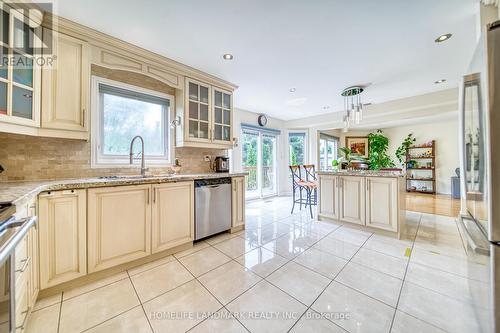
x,y
310,173
298,183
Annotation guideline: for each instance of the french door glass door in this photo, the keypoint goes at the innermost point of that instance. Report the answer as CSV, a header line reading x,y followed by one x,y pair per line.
x,y
259,160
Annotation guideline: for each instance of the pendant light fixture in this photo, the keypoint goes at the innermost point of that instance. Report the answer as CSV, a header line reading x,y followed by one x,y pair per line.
x,y
352,106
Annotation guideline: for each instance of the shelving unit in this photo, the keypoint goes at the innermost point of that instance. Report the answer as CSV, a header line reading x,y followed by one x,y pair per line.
x,y
423,176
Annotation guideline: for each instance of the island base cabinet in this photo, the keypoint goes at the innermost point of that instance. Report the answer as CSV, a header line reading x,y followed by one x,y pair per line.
x,y
62,236
173,215
328,197
352,199
382,203
238,201
119,225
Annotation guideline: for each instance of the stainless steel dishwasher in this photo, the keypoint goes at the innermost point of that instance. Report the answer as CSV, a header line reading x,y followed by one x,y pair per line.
x,y
212,206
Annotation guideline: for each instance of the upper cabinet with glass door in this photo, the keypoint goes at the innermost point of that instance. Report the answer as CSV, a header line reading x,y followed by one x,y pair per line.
x,y
19,74
208,116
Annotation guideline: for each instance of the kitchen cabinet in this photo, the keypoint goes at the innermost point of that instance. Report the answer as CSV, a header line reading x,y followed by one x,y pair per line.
x,y
352,199
62,236
238,201
208,116
382,203
173,215
65,87
329,197
119,225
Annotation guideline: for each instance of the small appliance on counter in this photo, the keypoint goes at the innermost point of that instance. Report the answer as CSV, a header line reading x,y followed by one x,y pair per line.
x,y
221,164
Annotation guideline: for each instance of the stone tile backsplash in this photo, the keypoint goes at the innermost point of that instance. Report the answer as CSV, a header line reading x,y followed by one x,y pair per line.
x,y
35,158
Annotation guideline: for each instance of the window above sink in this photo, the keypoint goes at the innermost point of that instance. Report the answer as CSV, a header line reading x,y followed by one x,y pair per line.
x,y
120,112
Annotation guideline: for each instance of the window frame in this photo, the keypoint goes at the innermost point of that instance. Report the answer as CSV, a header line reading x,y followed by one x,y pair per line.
x,y
306,146
327,138
99,160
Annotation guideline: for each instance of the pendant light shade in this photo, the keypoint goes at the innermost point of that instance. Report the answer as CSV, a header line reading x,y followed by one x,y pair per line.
x,y
352,106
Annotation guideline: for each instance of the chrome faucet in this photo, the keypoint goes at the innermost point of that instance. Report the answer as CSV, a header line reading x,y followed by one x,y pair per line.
x,y
143,163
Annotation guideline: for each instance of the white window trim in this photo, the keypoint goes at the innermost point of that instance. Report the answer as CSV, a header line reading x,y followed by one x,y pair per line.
x,y
306,144
98,161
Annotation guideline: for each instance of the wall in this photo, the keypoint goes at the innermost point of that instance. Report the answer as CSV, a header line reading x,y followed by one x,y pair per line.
x,y
29,158
247,117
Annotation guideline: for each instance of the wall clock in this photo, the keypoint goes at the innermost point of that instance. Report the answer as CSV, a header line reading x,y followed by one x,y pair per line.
x,y
262,120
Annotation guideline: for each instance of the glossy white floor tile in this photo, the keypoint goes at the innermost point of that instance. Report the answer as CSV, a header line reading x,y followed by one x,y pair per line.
x,y
276,276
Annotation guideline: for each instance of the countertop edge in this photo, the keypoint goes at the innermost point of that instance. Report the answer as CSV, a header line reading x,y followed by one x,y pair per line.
x,y
387,174
33,188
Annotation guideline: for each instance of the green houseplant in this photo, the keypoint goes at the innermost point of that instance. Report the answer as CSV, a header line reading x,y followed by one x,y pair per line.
x,y
378,145
349,157
403,148
335,164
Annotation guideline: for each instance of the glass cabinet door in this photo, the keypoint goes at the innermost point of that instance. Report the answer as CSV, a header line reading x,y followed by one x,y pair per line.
x,y
222,115
198,110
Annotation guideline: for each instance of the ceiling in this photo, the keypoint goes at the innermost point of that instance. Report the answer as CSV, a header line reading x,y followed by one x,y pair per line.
x,y
317,47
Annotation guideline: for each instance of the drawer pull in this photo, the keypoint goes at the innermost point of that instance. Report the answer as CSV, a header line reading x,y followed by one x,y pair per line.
x,y
25,265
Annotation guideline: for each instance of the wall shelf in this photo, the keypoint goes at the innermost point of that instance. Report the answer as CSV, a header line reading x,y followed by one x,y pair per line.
x,y
430,166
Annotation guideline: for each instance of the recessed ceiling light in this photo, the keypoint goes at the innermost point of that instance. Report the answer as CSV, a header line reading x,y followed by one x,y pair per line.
x,y
326,107
228,56
440,81
442,38
292,89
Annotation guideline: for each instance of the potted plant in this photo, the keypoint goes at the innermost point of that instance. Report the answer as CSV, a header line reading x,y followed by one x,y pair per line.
x,y
378,145
352,160
177,166
335,164
403,149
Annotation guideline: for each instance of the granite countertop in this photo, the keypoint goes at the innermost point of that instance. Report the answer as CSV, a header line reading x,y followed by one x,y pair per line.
x,y
362,173
18,193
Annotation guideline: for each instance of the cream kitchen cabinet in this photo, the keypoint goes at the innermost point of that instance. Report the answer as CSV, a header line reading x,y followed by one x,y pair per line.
x,y
119,225
65,88
62,236
329,197
382,203
238,201
352,199
207,116
173,215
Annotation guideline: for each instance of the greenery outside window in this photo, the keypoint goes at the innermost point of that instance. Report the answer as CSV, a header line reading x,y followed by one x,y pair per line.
x,y
297,148
328,148
120,112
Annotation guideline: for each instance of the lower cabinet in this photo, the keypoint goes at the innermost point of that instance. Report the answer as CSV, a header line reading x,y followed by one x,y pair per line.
x,y
382,203
119,225
238,201
328,197
352,199
62,235
173,215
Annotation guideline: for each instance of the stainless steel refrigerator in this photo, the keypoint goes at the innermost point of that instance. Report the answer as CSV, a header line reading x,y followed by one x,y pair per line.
x,y
480,223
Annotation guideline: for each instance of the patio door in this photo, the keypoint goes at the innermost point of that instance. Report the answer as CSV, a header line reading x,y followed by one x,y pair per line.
x,y
259,153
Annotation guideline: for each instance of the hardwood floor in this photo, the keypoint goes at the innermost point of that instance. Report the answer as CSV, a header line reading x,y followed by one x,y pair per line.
x,y
438,204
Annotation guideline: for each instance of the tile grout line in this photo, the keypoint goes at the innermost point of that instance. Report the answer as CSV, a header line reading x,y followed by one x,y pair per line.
x,y
329,284
60,313
140,302
406,272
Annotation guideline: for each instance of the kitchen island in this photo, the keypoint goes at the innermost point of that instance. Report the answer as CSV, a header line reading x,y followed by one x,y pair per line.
x,y
373,200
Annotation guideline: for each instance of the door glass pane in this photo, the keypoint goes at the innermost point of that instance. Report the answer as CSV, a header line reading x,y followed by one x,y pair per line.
x,y
204,112
4,54
227,101
204,94
218,132
226,133
4,26
227,117
23,70
193,129
193,91
296,142
249,155
3,98
203,130
193,110
22,103
322,155
23,37
218,98
218,115
268,152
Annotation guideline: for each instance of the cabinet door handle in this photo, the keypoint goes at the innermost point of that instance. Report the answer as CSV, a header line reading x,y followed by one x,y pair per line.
x,y
83,117
154,195
147,197
25,265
